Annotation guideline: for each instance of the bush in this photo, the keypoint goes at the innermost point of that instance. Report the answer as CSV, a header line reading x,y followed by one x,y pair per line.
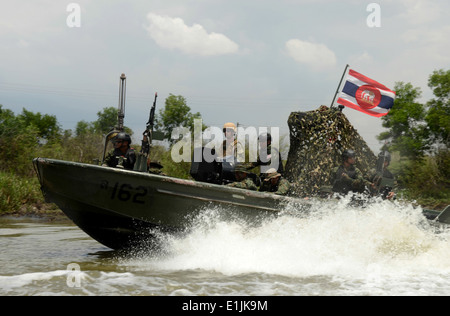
x,y
175,169
427,179
15,192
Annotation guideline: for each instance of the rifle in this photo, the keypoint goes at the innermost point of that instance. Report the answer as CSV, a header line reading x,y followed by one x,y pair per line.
x,y
147,135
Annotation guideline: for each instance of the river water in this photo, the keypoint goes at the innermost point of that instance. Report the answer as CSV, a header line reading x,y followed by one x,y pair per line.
x,y
381,249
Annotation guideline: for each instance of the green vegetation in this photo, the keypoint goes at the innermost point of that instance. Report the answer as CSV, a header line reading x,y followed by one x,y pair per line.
x,y
420,133
175,113
18,192
417,134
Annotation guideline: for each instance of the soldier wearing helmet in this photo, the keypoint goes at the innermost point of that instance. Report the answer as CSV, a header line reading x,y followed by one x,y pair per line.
x,y
347,177
122,156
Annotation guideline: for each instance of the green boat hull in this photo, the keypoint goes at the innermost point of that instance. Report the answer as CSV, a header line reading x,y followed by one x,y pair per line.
x,y
122,208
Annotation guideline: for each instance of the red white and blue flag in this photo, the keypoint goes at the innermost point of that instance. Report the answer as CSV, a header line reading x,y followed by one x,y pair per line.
x,y
366,95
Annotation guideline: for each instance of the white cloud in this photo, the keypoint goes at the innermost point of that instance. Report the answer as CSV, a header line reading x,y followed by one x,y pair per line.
x,y
317,56
419,12
173,33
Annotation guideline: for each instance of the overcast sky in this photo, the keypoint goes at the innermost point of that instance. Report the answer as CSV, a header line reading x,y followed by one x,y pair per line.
x,y
247,61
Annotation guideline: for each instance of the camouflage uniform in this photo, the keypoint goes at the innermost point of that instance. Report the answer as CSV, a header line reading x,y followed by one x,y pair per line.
x,y
283,187
244,184
113,157
348,179
279,186
116,158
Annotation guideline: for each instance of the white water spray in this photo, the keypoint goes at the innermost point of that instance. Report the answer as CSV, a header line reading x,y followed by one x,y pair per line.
x,y
378,243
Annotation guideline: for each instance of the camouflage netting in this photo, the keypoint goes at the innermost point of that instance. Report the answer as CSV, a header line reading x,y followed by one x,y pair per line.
x,y
317,140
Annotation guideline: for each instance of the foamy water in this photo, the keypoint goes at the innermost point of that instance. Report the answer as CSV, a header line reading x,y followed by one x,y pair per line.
x,y
381,249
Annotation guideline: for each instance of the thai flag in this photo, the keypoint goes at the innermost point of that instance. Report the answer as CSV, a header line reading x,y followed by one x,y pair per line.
x,y
366,95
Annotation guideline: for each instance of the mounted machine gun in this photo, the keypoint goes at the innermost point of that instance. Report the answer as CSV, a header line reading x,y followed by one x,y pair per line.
x,y
142,162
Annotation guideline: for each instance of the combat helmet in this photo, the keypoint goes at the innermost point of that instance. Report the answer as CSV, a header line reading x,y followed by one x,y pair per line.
x,y
123,137
348,153
385,156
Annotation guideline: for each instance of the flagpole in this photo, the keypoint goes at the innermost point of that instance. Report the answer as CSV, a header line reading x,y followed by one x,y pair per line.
x,y
340,82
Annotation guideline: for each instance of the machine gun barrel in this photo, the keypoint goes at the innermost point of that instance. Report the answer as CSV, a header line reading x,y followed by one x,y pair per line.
x,y
142,162
147,135
151,119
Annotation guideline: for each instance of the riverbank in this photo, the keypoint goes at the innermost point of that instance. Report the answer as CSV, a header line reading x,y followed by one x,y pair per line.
x,y
43,211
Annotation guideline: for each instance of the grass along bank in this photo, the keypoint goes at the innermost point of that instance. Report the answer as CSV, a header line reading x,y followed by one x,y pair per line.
x,y
21,196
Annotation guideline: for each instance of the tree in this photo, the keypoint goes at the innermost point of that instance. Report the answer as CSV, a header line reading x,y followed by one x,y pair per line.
x,y
438,116
176,113
414,129
8,123
84,128
47,125
406,123
106,121
17,142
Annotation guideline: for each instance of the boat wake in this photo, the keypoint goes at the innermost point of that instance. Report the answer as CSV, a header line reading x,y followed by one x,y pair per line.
x,y
382,239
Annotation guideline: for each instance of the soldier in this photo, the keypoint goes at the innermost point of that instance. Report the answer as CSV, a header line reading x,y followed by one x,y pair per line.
x,y
122,156
382,178
242,179
274,182
231,147
273,155
347,177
